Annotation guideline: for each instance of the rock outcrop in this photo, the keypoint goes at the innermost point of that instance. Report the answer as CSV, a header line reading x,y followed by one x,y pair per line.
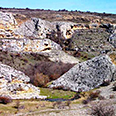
x,y
112,39
10,73
34,27
27,45
13,83
11,27
87,75
7,25
43,47
60,56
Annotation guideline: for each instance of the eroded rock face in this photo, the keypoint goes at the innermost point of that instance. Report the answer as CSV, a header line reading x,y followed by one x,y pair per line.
x,y
34,27
7,20
19,26
13,83
87,75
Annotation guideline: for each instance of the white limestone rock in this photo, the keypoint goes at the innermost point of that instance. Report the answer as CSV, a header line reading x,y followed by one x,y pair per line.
x,y
14,84
10,73
87,75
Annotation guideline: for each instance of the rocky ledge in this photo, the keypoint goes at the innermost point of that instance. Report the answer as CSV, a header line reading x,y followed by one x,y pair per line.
x,y
44,47
87,75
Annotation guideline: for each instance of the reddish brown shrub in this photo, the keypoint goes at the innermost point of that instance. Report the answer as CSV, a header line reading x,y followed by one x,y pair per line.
x,y
86,101
5,99
59,87
101,97
40,79
112,96
94,95
53,70
44,72
54,76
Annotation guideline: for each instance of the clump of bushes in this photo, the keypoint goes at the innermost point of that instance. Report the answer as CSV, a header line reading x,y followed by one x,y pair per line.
x,y
5,99
40,79
44,72
114,87
62,105
102,109
92,96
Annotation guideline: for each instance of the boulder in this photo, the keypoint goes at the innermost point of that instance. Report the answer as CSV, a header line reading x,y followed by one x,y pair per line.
x,y
27,29
87,75
14,84
7,19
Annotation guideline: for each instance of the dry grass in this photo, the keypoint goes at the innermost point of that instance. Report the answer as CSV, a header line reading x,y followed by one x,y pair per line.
x,y
113,57
102,109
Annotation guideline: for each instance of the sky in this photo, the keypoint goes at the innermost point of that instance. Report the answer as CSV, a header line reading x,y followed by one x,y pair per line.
x,y
107,6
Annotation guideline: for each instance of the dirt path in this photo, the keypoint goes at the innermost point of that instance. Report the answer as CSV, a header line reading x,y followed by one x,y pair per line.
x,y
74,110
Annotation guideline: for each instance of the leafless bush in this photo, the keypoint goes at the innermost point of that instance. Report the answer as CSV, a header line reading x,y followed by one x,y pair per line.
x,y
61,105
44,72
86,101
100,97
40,79
53,70
94,95
102,109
